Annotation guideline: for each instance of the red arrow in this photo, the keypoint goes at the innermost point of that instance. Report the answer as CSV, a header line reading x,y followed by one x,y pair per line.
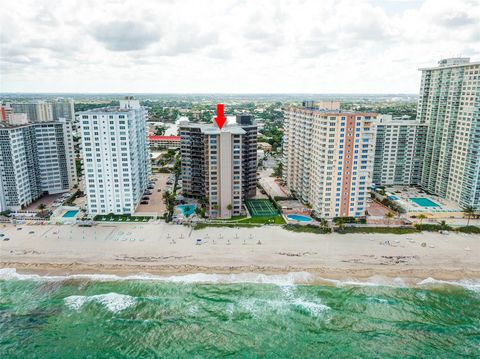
x,y
220,119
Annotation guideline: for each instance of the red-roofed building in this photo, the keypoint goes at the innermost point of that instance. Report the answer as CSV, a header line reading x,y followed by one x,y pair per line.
x,y
164,141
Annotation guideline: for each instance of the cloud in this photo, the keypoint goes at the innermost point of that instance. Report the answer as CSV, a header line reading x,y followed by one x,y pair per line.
x,y
257,46
187,40
458,19
125,35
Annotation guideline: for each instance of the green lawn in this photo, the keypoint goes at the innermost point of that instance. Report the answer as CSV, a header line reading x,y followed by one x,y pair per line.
x,y
306,229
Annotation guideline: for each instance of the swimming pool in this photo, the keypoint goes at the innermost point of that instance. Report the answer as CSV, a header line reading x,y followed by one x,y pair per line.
x,y
298,217
70,214
424,202
393,198
187,209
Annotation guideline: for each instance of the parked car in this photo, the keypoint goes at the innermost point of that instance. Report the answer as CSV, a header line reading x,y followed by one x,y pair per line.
x,y
144,202
6,239
145,198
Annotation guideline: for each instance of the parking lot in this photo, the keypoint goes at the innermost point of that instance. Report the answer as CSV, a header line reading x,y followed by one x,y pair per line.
x,y
155,200
50,201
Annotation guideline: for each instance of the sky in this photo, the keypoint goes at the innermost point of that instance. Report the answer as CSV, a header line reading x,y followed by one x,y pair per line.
x,y
230,46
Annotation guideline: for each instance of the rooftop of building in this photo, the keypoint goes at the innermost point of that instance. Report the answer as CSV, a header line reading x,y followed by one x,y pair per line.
x,y
327,112
212,129
390,120
126,105
6,125
451,62
164,138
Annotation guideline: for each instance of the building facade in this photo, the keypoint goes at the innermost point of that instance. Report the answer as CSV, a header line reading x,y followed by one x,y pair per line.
x,y
35,159
328,159
449,104
217,165
116,157
164,142
39,111
63,108
399,151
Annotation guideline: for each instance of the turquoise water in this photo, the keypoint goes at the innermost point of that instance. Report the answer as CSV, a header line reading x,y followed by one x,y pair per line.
x,y
393,198
297,217
70,214
187,209
424,202
177,317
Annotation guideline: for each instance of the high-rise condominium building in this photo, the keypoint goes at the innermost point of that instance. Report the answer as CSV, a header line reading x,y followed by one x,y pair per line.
x,y
42,111
328,158
449,104
399,151
116,157
219,165
63,108
39,111
35,159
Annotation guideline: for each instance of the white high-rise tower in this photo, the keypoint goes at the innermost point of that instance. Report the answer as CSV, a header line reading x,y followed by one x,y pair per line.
x,y
116,157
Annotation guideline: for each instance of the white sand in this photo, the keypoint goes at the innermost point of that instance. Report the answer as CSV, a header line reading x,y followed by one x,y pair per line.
x,y
109,248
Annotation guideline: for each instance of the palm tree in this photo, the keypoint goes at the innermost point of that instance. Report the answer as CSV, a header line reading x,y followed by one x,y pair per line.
x,y
469,211
389,215
42,208
421,217
229,207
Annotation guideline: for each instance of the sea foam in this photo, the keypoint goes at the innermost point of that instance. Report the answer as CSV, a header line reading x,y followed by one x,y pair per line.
x,y
469,284
374,281
278,279
114,302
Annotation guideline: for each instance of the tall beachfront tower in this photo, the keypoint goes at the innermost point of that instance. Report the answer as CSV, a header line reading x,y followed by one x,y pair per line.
x,y
35,159
399,151
328,158
217,165
449,104
116,157
38,111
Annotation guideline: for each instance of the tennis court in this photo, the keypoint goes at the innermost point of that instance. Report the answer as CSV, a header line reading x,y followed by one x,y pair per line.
x,y
261,208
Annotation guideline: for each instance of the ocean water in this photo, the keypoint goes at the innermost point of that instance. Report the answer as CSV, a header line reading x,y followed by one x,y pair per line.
x,y
237,316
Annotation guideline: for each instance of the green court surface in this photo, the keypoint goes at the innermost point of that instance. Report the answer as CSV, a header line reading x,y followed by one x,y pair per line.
x,y
261,208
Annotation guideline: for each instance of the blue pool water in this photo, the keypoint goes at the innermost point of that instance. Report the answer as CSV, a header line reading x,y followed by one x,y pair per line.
x,y
298,217
70,214
424,202
187,209
393,198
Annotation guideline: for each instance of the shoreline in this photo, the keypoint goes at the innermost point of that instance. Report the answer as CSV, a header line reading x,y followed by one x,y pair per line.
x,y
169,250
307,276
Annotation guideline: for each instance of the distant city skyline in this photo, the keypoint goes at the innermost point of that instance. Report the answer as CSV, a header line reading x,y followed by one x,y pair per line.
x,y
342,47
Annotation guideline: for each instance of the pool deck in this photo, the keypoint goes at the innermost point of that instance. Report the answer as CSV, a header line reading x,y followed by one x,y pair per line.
x,y
446,207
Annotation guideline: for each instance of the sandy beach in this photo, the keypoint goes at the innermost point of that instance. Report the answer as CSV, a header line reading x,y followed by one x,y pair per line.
x,y
126,249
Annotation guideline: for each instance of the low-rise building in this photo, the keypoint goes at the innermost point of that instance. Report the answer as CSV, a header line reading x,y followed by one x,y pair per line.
x,y
164,142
